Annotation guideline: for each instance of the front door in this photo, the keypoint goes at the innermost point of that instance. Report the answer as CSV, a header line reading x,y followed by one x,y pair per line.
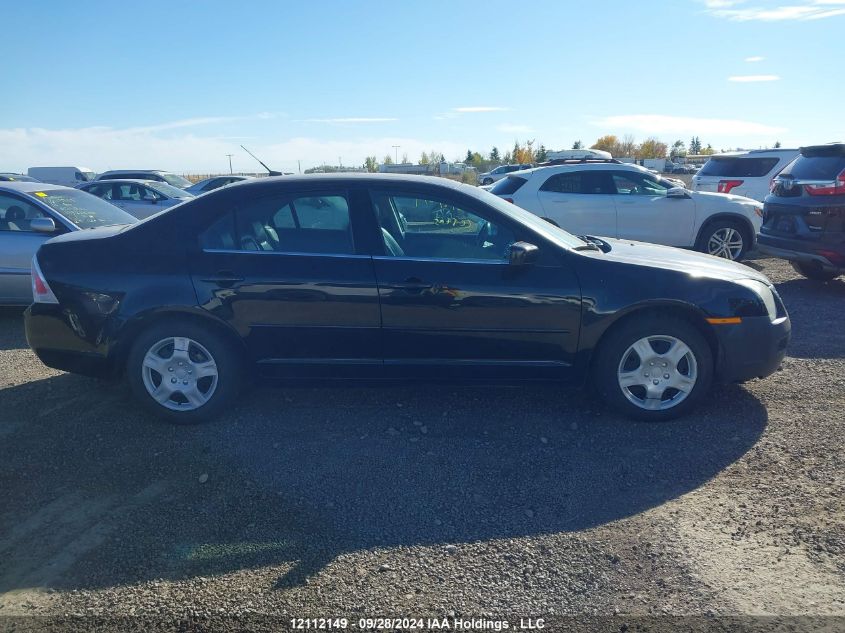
x,y
645,213
452,303
284,271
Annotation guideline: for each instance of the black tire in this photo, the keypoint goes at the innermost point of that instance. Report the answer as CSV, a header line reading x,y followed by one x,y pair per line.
x,y
487,181
710,229
613,350
814,271
224,355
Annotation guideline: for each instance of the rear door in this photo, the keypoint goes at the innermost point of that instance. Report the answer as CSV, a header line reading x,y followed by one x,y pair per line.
x,y
645,213
580,202
287,272
451,302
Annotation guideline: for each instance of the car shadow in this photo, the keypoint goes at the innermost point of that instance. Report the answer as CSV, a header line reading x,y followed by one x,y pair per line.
x,y
95,493
11,328
811,305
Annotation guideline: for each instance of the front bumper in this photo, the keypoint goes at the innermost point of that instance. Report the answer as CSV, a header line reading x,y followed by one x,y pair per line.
x,y
58,338
753,348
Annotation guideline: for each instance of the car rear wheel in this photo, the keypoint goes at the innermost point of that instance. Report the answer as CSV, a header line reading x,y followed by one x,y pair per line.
x,y
183,372
814,271
487,181
724,238
653,368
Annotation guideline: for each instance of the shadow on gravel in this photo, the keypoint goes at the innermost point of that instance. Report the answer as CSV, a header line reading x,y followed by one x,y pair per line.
x,y
11,328
816,310
95,494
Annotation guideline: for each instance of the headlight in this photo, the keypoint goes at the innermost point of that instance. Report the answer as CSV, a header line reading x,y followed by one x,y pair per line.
x,y
765,294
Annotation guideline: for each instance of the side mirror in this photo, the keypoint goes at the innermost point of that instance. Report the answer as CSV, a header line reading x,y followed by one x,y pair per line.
x,y
677,192
43,225
523,254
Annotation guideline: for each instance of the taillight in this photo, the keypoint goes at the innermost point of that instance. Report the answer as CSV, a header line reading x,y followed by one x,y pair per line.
x,y
41,292
837,259
725,186
835,188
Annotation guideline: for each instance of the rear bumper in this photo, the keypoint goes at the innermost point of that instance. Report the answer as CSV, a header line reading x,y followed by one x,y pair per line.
x,y
794,250
58,339
752,349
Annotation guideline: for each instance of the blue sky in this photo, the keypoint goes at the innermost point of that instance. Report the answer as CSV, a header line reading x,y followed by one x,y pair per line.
x,y
178,85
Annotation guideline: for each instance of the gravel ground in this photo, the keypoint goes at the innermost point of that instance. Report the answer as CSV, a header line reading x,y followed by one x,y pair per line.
x,y
431,500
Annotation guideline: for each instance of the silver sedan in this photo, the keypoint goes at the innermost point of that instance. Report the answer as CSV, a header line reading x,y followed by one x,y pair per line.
x,y
141,198
33,212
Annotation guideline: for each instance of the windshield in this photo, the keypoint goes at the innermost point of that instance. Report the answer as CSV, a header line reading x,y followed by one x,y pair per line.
x,y
170,191
176,181
83,209
88,176
546,229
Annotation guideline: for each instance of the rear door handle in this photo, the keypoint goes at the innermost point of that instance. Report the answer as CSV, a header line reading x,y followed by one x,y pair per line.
x,y
224,278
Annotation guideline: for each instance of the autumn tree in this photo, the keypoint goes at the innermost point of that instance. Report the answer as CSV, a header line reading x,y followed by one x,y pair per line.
x,y
371,164
424,159
678,149
627,147
652,148
708,151
388,159
607,143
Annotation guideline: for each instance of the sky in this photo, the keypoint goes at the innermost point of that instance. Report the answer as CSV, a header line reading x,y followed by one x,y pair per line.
x,y
179,85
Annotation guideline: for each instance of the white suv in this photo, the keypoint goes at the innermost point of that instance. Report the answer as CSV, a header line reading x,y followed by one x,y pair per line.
x,y
494,175
743,173
612,199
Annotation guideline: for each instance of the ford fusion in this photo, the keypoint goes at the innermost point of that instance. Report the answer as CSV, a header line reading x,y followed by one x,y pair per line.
x,y
395,278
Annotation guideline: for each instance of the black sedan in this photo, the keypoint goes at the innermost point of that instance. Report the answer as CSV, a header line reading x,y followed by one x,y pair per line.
x,y
393,277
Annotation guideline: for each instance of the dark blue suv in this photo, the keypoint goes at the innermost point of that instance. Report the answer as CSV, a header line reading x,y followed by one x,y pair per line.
x,y
804,215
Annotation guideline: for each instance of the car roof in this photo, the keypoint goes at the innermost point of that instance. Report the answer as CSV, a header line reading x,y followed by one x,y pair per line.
x,y
30,187
755,152
579,166
340,177
112,181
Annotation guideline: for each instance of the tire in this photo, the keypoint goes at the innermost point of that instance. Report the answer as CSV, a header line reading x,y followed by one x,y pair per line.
x,y
487,181
814,271
716,236
623,380
170,355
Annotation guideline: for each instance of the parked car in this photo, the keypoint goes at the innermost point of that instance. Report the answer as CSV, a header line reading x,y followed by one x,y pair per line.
x,y
320,276
12,177
30,214
209,184
629,202
140,198
746,174
146,174
489,177
804,215
65,176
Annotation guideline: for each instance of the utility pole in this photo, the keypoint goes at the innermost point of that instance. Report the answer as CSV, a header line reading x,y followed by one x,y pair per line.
x,y
299,165
396,147
230,162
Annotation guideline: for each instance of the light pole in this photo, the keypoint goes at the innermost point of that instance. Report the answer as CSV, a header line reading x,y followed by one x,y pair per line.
x,y
396,148
230,162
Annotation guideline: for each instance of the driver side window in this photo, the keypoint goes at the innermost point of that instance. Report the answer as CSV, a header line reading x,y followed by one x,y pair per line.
x,y
629,183
420,227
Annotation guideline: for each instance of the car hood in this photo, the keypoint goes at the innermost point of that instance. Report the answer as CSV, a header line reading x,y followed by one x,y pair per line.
x,y
667,257
711,198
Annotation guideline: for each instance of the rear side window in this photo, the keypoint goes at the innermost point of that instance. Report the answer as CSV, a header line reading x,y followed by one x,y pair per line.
x,y
507,186
815,167
740,167
318,224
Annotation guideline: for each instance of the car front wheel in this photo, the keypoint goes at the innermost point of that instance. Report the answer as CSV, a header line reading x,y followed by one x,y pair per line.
x,y
183,372
723,238
814,271
653,368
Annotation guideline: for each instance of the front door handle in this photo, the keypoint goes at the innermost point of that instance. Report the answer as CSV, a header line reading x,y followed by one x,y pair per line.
x,y
415,285
224,278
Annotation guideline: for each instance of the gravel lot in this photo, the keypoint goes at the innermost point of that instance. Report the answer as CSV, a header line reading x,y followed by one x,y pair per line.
x,y
433,500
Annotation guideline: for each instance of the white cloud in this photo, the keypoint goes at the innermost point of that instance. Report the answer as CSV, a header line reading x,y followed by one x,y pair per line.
x,y
514,128
753,78
769,12
667,124
754,59
480,109
352,119
102,148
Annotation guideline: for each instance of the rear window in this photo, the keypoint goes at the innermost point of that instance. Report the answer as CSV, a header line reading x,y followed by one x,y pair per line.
x,y
738,167
83,209
815,167
507,186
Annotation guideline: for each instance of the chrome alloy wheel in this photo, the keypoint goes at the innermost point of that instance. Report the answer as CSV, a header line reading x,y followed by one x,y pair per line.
x,y
179,374
726,242
657,372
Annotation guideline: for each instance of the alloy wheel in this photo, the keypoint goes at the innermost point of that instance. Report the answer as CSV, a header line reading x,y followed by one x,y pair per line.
x,y
725,242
